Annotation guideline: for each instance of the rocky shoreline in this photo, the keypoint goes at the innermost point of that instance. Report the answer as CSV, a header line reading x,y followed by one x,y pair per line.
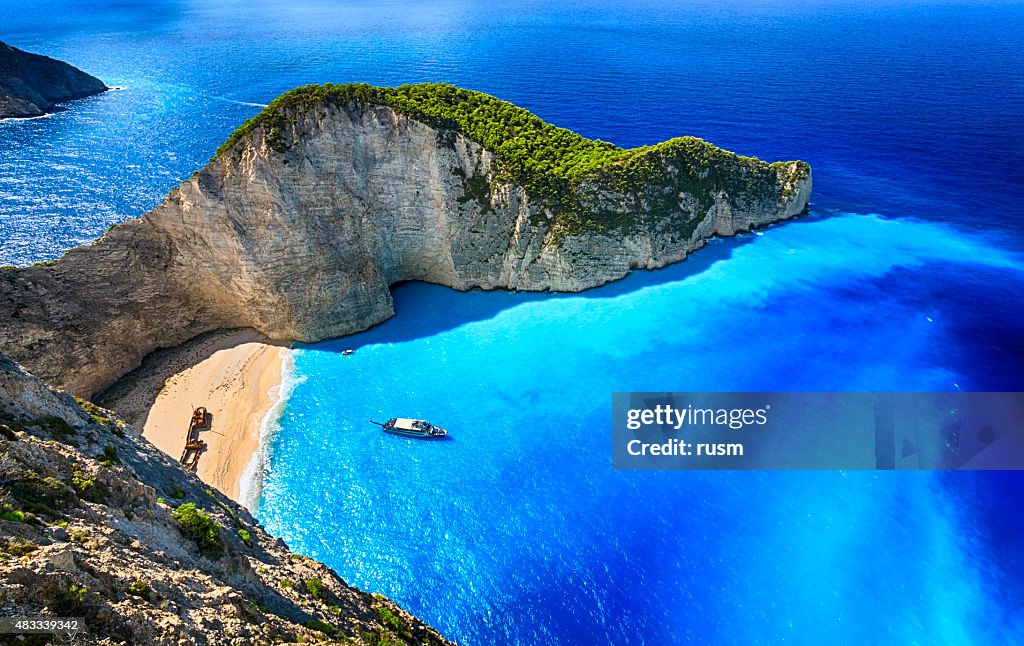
x,y
96,522
32,85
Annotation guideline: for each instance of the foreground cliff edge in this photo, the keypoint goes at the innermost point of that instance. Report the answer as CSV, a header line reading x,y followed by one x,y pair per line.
x,y
312,209
31,84
95,522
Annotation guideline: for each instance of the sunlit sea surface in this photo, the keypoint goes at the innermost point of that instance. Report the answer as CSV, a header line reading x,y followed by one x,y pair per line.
x,y
907,275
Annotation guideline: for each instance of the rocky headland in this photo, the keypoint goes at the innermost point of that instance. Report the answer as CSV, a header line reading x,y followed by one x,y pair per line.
x,y
31,84
314,208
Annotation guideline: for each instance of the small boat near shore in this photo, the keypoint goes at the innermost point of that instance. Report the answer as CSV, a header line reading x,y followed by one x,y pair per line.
x,y
411,428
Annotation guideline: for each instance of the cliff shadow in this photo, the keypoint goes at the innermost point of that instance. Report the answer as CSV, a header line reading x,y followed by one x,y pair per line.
x,y
133,395
424,309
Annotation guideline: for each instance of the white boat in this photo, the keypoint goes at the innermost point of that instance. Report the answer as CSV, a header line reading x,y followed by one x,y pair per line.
x,y
411,428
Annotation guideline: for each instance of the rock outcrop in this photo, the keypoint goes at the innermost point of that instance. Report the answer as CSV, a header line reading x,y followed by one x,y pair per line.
x,y
31,84
95,522
300,224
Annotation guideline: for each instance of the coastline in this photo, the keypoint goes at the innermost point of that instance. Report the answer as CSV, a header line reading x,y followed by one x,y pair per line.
x,y
236,374
250,481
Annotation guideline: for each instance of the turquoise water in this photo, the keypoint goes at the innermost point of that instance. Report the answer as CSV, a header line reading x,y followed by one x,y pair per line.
x,y
517,530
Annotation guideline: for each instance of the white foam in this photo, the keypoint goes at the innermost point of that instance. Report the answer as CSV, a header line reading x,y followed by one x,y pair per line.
x,y
249,103
250,485
41,116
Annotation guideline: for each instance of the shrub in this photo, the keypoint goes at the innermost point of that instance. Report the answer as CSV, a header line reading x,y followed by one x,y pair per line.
x,y
315,587
55,426
380,638
322,626
176,491
87,488
69,602
15,516
287,583
110,456
201,528
20,547
139,588
245,536
392,620
41,495
101,416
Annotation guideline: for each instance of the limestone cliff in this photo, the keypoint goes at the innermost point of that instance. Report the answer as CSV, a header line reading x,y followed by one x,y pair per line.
x,y
303,220
30,84
95,522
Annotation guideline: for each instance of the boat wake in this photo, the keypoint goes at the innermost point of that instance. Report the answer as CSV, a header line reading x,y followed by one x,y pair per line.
x,y
249,103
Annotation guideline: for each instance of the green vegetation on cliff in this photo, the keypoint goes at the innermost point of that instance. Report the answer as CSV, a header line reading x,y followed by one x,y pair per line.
x,y
551,163
202,528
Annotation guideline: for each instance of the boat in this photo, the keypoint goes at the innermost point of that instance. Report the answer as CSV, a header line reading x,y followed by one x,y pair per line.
x,y
411,428
347,352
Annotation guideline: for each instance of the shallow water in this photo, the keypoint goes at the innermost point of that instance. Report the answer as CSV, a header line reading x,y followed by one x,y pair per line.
x,y
516,530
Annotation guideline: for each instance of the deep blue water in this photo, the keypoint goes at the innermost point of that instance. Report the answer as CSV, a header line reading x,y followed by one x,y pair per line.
x,y
908,276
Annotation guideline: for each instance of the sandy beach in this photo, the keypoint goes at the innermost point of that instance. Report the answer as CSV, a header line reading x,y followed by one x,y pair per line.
x,y
236,375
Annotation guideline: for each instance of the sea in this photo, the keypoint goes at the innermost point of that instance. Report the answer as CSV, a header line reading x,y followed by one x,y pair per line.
x,y
907,275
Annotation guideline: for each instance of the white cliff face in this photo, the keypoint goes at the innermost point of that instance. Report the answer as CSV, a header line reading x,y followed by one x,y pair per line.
x,y
304,244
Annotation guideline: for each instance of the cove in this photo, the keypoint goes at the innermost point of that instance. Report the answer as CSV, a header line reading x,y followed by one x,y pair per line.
x,y
516,530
